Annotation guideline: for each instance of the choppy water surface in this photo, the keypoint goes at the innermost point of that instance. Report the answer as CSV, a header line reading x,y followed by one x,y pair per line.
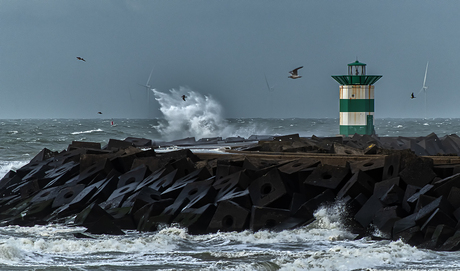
x,y
325,244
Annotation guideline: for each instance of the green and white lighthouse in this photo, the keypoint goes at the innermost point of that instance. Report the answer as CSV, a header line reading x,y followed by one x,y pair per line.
x,y
356,100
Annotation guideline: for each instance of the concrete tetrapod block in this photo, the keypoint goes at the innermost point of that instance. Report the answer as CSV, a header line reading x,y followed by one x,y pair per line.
x,y
452,243
194,195
360,182
229,216
373,167
103,166
454,197
97,221
418,172
175,189
139,142
439,235
196,219
444,186
267,218
67,194
385,218
380,188
367,213
146,217
166,181
236,180
242,198
149,180
62,174
140,198
325,176
268,189
393,196
136,175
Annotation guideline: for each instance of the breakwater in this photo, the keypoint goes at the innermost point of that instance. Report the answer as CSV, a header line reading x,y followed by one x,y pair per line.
x,y
389,184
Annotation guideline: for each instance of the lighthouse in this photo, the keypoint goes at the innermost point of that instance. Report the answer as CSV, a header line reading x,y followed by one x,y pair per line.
x,y
356,100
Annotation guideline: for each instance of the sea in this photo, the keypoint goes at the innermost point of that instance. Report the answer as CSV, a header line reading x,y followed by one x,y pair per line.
x,y
325,244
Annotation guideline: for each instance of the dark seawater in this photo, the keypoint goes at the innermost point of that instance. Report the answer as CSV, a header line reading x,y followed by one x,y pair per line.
x,y
323,245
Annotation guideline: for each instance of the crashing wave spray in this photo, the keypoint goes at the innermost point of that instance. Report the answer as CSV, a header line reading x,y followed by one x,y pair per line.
x,y
198,116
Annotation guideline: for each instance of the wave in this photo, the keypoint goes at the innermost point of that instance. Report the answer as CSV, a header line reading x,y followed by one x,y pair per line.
x,y
87,132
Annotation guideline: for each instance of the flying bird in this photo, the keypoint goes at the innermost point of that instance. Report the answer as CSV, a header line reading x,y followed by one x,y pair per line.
x,y
412,96
99,113
81,58
183,97
294,74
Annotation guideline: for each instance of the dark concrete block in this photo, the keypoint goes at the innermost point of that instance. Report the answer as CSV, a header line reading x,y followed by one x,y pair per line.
x,y
139,142
229,216
452,243
145,218
267,218
444,186
236,180
409,192
328,176
140,198
175,189
298,165
418,172
101,167
166,181
149,180
123,191
439,235
367,213
412,236
394,196
412,200
46,194
380,188
136,175
268,189
373,167
83,145
67,194
115,144
196,219
242,198
360,182
439,217
385,218
307,209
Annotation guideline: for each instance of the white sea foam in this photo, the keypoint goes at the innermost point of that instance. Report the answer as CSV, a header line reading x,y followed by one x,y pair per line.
x,y
87,132
199,116
6,166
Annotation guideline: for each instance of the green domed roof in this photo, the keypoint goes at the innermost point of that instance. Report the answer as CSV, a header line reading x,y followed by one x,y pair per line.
x,y
356,63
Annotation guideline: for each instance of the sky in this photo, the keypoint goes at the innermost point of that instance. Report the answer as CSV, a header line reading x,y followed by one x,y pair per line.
x,y
228,50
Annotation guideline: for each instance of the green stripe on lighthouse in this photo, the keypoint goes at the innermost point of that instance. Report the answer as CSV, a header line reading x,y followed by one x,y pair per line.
x,y
356,105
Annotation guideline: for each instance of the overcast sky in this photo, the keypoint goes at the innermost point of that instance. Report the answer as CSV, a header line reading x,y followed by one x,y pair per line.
x,y
225,49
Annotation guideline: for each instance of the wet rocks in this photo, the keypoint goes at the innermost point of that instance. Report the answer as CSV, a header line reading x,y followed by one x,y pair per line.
x,y
128,185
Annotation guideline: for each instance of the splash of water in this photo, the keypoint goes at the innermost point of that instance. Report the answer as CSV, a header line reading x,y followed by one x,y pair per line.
x,y
198,116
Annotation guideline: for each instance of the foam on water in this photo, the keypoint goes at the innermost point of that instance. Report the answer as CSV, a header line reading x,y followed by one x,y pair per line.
x,y
87,132
6,166
199,116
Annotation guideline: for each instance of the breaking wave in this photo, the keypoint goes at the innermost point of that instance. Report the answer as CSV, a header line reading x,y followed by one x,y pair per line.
x,y
199,116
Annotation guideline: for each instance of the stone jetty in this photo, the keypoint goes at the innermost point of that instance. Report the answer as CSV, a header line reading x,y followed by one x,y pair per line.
x,y
403,188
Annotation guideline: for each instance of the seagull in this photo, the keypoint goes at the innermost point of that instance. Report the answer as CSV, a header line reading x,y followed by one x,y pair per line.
x,y
183,97
81,58
294,74
99,113
412,96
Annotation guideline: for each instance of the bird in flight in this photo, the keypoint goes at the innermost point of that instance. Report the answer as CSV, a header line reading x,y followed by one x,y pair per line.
x,y
294,74
412,96
183,97
81,58
99,113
